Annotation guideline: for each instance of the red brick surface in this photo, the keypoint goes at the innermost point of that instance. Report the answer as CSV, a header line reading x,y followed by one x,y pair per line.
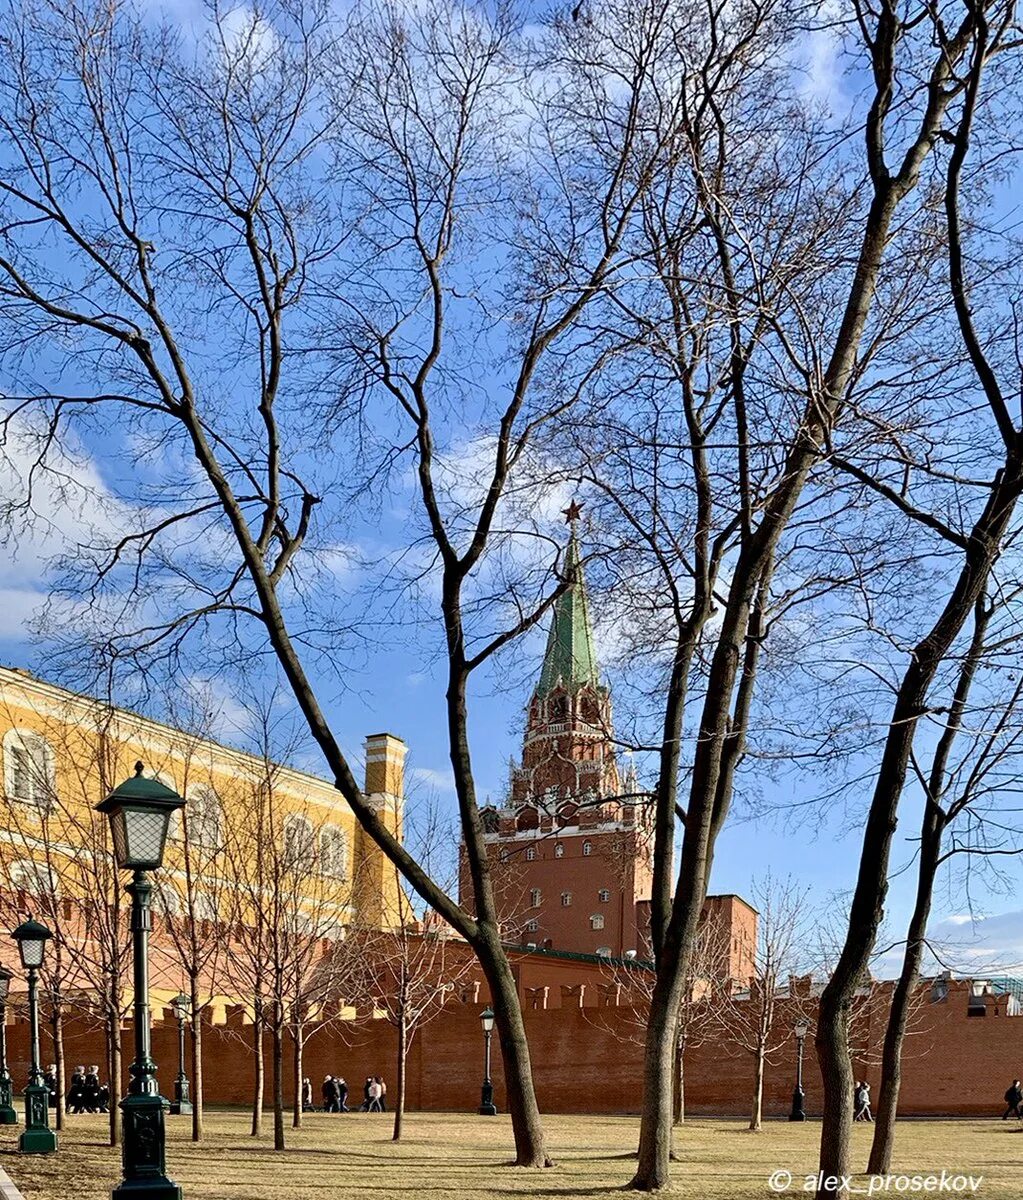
x,y
588,1059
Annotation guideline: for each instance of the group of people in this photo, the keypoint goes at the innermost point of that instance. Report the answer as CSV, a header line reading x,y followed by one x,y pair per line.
x,y
861,1102
86,1093
334,1091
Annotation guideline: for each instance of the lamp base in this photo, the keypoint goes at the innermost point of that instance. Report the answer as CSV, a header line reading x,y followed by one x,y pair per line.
x,y
487,1110
38,1141
160,1188
180,1108
8,1116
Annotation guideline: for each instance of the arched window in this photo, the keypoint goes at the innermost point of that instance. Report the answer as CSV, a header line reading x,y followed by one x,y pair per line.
x,y
559,707
597,921
489,819
604,895
535,898
528,818
566,899
559,850
587,849
299,842
530,853
29,773
168,902
205,817
35,878
333,852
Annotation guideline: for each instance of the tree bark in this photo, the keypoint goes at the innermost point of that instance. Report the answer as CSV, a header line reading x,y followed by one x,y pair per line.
x,y
679,1110
296,1108
757,1111
399,1104
57,1034
197,1113
114,1057
895,1033
278,1083
259,1062
653,1170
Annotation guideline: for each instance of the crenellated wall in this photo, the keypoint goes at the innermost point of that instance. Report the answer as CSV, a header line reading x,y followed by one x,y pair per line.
x,y
587,1056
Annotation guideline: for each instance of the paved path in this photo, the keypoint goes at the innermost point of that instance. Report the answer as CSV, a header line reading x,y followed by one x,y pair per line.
x,y
7,1189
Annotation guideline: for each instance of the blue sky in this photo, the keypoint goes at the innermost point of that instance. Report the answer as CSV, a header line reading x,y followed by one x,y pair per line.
x,y
395,683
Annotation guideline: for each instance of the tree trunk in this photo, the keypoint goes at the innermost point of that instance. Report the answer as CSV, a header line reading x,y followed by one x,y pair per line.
x,y
898,1015
60,1071
114,1054
399,1103
679,1111
278,1081
197,1114
757,1111
659,1071
260,1073
530,1147
296,1061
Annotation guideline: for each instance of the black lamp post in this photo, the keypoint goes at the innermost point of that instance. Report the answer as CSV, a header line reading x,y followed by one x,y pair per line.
x,y
181,1105
797,1114
37,1136
7,1114
140,812
487,1108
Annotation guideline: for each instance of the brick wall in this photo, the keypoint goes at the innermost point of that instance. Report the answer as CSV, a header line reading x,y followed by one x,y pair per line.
x,y
587,1058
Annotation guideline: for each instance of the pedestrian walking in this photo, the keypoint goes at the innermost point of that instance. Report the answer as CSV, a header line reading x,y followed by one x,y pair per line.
x,y
1013,1098
328,1091
373,1096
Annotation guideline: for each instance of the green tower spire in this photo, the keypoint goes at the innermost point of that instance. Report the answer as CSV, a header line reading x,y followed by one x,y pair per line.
x,y
570,658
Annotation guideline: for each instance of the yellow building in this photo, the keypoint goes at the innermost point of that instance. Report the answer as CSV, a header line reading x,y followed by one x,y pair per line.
x,y
246,822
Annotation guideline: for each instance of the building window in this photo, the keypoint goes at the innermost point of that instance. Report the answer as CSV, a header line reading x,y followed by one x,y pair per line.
x,y
333,852
504,854
35,878
299,843
532,926
603,895
530,853
534,898
205,817
28,767
559,850
587,849
597,921
566,899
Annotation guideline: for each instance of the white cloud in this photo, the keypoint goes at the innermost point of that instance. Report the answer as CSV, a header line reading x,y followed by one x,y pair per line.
x,y
441,781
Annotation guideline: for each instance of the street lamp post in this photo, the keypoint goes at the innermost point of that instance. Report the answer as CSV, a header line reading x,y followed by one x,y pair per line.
x,y
140,812
487,1108
7,1114
181,1105
797,1114
37,1136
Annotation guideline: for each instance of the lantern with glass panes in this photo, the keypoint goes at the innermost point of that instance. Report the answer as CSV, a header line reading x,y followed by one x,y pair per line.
x,y
37,1137
140,812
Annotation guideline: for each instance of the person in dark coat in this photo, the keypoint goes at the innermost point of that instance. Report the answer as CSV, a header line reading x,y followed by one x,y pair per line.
x,y
50,1079
90,1090
365,1093
75,1099
1013,1098
342,1094
329,1093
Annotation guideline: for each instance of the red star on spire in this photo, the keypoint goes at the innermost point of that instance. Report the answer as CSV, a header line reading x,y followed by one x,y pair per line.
x,y
572,512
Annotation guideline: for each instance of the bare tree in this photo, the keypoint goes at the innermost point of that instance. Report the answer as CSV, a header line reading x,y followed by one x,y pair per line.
x,y
748,1017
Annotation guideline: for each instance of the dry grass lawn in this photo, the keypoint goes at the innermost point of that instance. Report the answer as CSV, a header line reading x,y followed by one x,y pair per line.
x,y
452,1157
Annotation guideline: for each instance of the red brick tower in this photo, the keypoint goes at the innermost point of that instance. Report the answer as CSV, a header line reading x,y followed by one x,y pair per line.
x,y
570,847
